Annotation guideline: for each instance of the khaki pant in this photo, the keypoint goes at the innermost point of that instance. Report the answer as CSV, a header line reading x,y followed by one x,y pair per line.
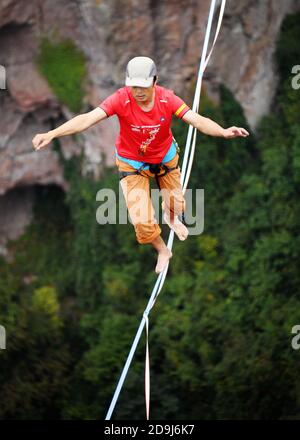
x,y
136,190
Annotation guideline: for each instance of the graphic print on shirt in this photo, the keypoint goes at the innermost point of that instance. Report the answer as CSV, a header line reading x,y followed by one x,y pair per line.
x,y
148,132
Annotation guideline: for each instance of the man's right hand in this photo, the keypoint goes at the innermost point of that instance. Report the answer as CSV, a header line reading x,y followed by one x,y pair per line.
x,y
42,140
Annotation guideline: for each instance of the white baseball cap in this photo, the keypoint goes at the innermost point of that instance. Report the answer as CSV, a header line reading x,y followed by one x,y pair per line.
x,y
140,72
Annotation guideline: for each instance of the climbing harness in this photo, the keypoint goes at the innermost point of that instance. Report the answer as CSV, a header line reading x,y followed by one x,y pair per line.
x,y
158,169
154,168
185,174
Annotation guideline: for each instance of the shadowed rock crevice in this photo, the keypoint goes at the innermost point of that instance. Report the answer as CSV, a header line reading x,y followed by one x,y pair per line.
x,y
16,208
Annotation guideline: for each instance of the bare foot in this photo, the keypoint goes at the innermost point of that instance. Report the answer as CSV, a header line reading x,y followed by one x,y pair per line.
x,y
162,260
178,227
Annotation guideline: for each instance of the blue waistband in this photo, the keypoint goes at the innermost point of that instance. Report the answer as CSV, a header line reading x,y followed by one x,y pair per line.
x,y
137,164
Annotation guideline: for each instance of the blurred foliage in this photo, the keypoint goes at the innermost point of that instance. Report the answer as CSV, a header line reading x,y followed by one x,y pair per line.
x,y
220,333
63,65
287,49
44,300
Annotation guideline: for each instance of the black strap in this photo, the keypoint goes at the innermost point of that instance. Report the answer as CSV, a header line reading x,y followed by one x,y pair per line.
x,y
123,174
182,219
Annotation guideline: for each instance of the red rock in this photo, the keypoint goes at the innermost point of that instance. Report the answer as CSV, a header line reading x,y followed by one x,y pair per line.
x,y
28,88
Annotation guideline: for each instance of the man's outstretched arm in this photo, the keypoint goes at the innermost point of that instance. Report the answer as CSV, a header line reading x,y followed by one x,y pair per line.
x,y
75,125
211,128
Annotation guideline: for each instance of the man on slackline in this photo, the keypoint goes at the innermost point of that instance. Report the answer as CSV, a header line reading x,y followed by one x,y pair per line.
x,y
145,148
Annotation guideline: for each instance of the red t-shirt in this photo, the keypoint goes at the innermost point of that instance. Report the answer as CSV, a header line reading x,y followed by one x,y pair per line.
x,y
144,136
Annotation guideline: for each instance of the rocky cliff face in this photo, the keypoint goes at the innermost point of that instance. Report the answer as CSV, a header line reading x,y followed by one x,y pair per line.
x,y
110,32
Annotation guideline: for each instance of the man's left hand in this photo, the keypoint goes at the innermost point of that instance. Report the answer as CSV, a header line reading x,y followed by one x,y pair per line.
x,y
233,132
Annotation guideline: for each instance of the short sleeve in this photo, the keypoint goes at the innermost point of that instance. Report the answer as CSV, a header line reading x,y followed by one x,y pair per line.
x,y
179,107
111,104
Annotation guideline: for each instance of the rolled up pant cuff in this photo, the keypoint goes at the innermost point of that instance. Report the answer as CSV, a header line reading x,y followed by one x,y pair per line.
x,y
148,239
